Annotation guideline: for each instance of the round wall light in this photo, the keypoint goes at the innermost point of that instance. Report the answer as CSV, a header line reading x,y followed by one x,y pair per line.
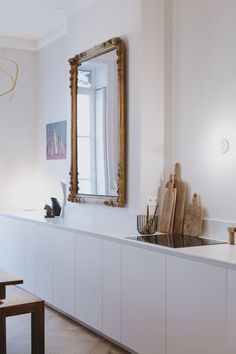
x,y
224,146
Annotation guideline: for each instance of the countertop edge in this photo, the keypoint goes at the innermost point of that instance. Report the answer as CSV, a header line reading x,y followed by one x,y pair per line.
x,y
191,253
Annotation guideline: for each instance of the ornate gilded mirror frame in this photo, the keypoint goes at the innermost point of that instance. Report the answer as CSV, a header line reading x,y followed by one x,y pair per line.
x,y
113,44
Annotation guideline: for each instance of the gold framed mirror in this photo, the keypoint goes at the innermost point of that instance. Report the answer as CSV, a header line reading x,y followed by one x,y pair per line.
x,y
98,114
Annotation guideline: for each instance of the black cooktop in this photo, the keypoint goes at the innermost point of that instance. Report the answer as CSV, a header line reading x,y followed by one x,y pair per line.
x,y
176,241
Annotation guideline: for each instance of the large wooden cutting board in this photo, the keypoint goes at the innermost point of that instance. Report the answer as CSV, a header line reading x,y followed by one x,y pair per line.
x,y
168,207
193,219
180,202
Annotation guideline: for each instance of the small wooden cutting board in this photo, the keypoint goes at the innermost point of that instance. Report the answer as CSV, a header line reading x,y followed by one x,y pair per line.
x,y
193,219
168,207
180,201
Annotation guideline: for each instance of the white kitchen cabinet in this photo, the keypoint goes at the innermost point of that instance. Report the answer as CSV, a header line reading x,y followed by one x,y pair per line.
x,y
143,300
196,307
43,261
64,271
111,290
29,278
89,280
151,302
12,245
231,312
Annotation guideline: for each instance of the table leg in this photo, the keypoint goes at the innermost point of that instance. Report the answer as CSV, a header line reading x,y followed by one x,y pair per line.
x,y
2,292
37,329
3,345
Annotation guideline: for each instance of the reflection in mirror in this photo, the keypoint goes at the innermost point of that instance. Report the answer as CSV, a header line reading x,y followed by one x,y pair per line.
x,y
98,124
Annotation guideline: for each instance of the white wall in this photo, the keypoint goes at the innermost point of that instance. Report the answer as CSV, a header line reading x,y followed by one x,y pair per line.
x,y
18,145
198,93
135,21
102,20
152,98
99,22
53,106
200,100
141,24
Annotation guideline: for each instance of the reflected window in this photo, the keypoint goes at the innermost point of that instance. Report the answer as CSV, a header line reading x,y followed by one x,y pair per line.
x,y
86,142
101,142
84,78
96,174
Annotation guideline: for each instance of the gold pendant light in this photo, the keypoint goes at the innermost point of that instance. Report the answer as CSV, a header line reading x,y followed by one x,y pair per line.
x,y
8,77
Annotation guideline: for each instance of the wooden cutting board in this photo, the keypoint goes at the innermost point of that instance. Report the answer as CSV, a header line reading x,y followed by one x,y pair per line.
x,y
180,201
193,218
168,207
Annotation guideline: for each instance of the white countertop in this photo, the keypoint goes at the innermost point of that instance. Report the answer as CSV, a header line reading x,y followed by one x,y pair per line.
x,y
85,222
220,254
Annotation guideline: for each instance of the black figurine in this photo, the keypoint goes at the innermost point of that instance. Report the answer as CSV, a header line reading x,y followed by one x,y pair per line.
x,y
49,213
56,208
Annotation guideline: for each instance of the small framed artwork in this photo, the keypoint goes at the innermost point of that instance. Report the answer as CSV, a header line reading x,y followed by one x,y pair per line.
x,y
56,140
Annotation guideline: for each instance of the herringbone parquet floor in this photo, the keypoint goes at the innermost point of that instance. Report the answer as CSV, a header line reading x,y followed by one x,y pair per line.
x,y
63,336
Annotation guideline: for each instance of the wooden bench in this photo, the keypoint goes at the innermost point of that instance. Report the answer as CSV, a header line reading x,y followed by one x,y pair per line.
x,y
19,302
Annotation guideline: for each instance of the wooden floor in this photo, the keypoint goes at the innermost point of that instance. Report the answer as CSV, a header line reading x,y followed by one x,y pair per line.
x,y
63,336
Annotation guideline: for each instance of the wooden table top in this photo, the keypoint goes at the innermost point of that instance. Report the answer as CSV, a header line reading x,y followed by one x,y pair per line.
x,y
7,278
18,297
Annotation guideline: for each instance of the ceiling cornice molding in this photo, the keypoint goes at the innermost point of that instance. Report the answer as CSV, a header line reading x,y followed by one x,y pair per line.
x,y
33,45
36,44
76,7
52,36
18,43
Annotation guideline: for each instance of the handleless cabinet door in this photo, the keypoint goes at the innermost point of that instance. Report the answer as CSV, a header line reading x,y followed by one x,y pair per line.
x,y
64,271
29,279
196,307
89,280
12,245
143,300
111,290
43,261
231,312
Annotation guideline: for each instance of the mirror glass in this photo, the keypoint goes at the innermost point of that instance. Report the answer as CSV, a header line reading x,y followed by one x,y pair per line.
x,y
98,125
98,110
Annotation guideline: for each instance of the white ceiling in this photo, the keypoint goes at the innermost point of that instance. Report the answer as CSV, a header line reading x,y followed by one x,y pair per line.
x,y
33,19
